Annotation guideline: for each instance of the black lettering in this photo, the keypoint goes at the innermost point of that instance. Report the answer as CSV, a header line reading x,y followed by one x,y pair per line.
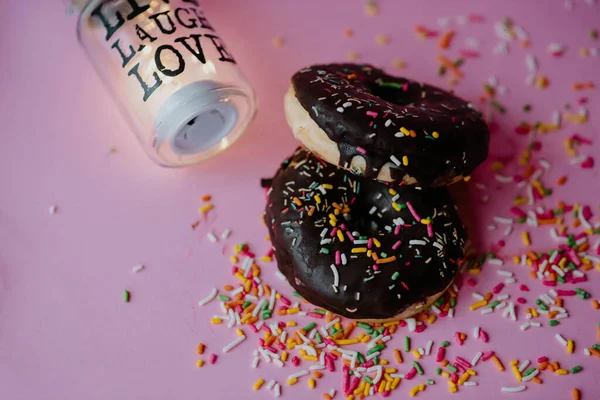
x,y
202,19
110,29
124,57
136,9
142,34
192,22
161,66
225,56
164,30
198,51
194,2
147,90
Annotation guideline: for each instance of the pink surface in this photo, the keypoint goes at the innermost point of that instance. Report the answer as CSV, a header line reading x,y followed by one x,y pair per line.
x,y
65,331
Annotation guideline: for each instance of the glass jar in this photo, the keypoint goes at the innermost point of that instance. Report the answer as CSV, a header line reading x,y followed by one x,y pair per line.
x,y
177,84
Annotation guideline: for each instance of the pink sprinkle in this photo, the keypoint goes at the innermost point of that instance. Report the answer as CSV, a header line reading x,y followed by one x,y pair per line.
x,y
588,163
464,362
579,279
573,256
484,336
281,324
369,243
441,353
360,149
443,314
315,315
411,374
582,100
405,86
330,342
469,53
386,331
270,252
350,237
501,243
343,227
461,368
234,270
524,288
548,283
429,230
271,348
518,212
521,300
583,234
329,364
420,328
397,244
386,393
338,259
542,359
397,230
580,139
457,338
413,211
372,114
345,378
213,358
562,292
248,254
368,364
487,355
454,377
285,301
471,282
261,342
498,288
353,385
238,309
333,232
253,328
402,324
295,361
266,329
375,267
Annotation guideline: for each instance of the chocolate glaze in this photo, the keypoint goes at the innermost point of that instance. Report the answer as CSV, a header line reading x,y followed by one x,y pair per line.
x,y
372,102
422,269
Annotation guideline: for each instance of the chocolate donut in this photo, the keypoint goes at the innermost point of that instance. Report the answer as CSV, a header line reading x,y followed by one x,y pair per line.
x,y
358,247
381,126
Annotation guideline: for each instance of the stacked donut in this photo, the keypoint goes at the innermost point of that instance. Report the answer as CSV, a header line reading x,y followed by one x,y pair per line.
x,y
360,218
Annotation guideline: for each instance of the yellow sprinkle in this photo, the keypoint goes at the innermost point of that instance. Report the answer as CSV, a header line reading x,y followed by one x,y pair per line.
x,y
258,383
392,191
416,354
366,390
376,242
290,323
395,383
498,363
318,199
277,41
561,371
390,371
396,206
215,321
310,358
445,374
477,305
292,381
471,372
381,388
284,356
360,388
340,235
205,209
383,362
405,131
435,135
346,341
327,186
431,319
398,63
404,160
234,259
425,221
359,250
516,372
414,391
365,338
199,363
239,332
311,383
526,239
467,178
570,346
390,323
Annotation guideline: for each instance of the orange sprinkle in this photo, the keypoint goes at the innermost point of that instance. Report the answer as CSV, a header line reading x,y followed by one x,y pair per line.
x,y
595,304
561,181
207,197
537,380
398,356
594,352
385,260
576,394
446,39
450,66
200,349
498,363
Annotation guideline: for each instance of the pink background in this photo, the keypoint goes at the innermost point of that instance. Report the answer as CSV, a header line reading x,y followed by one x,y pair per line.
x,y
65,331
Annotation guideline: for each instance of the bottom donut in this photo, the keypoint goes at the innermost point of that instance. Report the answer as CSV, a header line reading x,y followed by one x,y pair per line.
x,y
358,247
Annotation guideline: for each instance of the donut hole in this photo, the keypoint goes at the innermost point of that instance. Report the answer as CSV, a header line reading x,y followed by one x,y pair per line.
x,y
358,164
393,94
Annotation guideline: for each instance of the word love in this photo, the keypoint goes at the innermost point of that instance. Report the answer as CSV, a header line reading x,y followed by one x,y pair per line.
x,y
168,58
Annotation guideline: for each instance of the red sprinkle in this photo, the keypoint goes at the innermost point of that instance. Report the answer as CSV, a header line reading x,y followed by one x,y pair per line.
x,y
521,300
498,288
213,358
524,288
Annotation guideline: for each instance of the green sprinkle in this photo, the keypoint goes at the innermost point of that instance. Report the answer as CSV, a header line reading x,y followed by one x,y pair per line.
x,y
491,255
576,369
246,304
319,338
296,294
521,220
527,107
445,343
368,379
319,311
594,34
582,294
375,360
438,371
498,106
324,250
360,357
222,297
112,150
553,322
350,372
451,367
459,62
363,325
452,302
430,381
439,302
596,346
383,255
406,344
395,275
441,70
309,327
418,367
265,306
493,304
529,371
402,206
126,296
375,349
561,279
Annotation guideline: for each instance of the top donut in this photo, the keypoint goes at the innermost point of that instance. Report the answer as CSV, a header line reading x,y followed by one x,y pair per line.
x,y
385,127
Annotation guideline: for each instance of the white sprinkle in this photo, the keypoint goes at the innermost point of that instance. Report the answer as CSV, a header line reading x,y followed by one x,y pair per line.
x,y
491,227
451,313
336,276
486,310
272,299
316,367
344,259
476,358
536,324
502,220
510,280
558,270
561,316
531,375
372,210
561,339
225,233
277,390
231,345
212,295
514,389
255,362
435,309
388,123
504,272
502,297
525,326
212,237
137,268
418,242
531,63
428,348
477,296
280,275
503,179
586,351
476,332
332,392
298,374
270,384
412,324
52,209
395,160
340,109
470,383
524,365
495,261
347,104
